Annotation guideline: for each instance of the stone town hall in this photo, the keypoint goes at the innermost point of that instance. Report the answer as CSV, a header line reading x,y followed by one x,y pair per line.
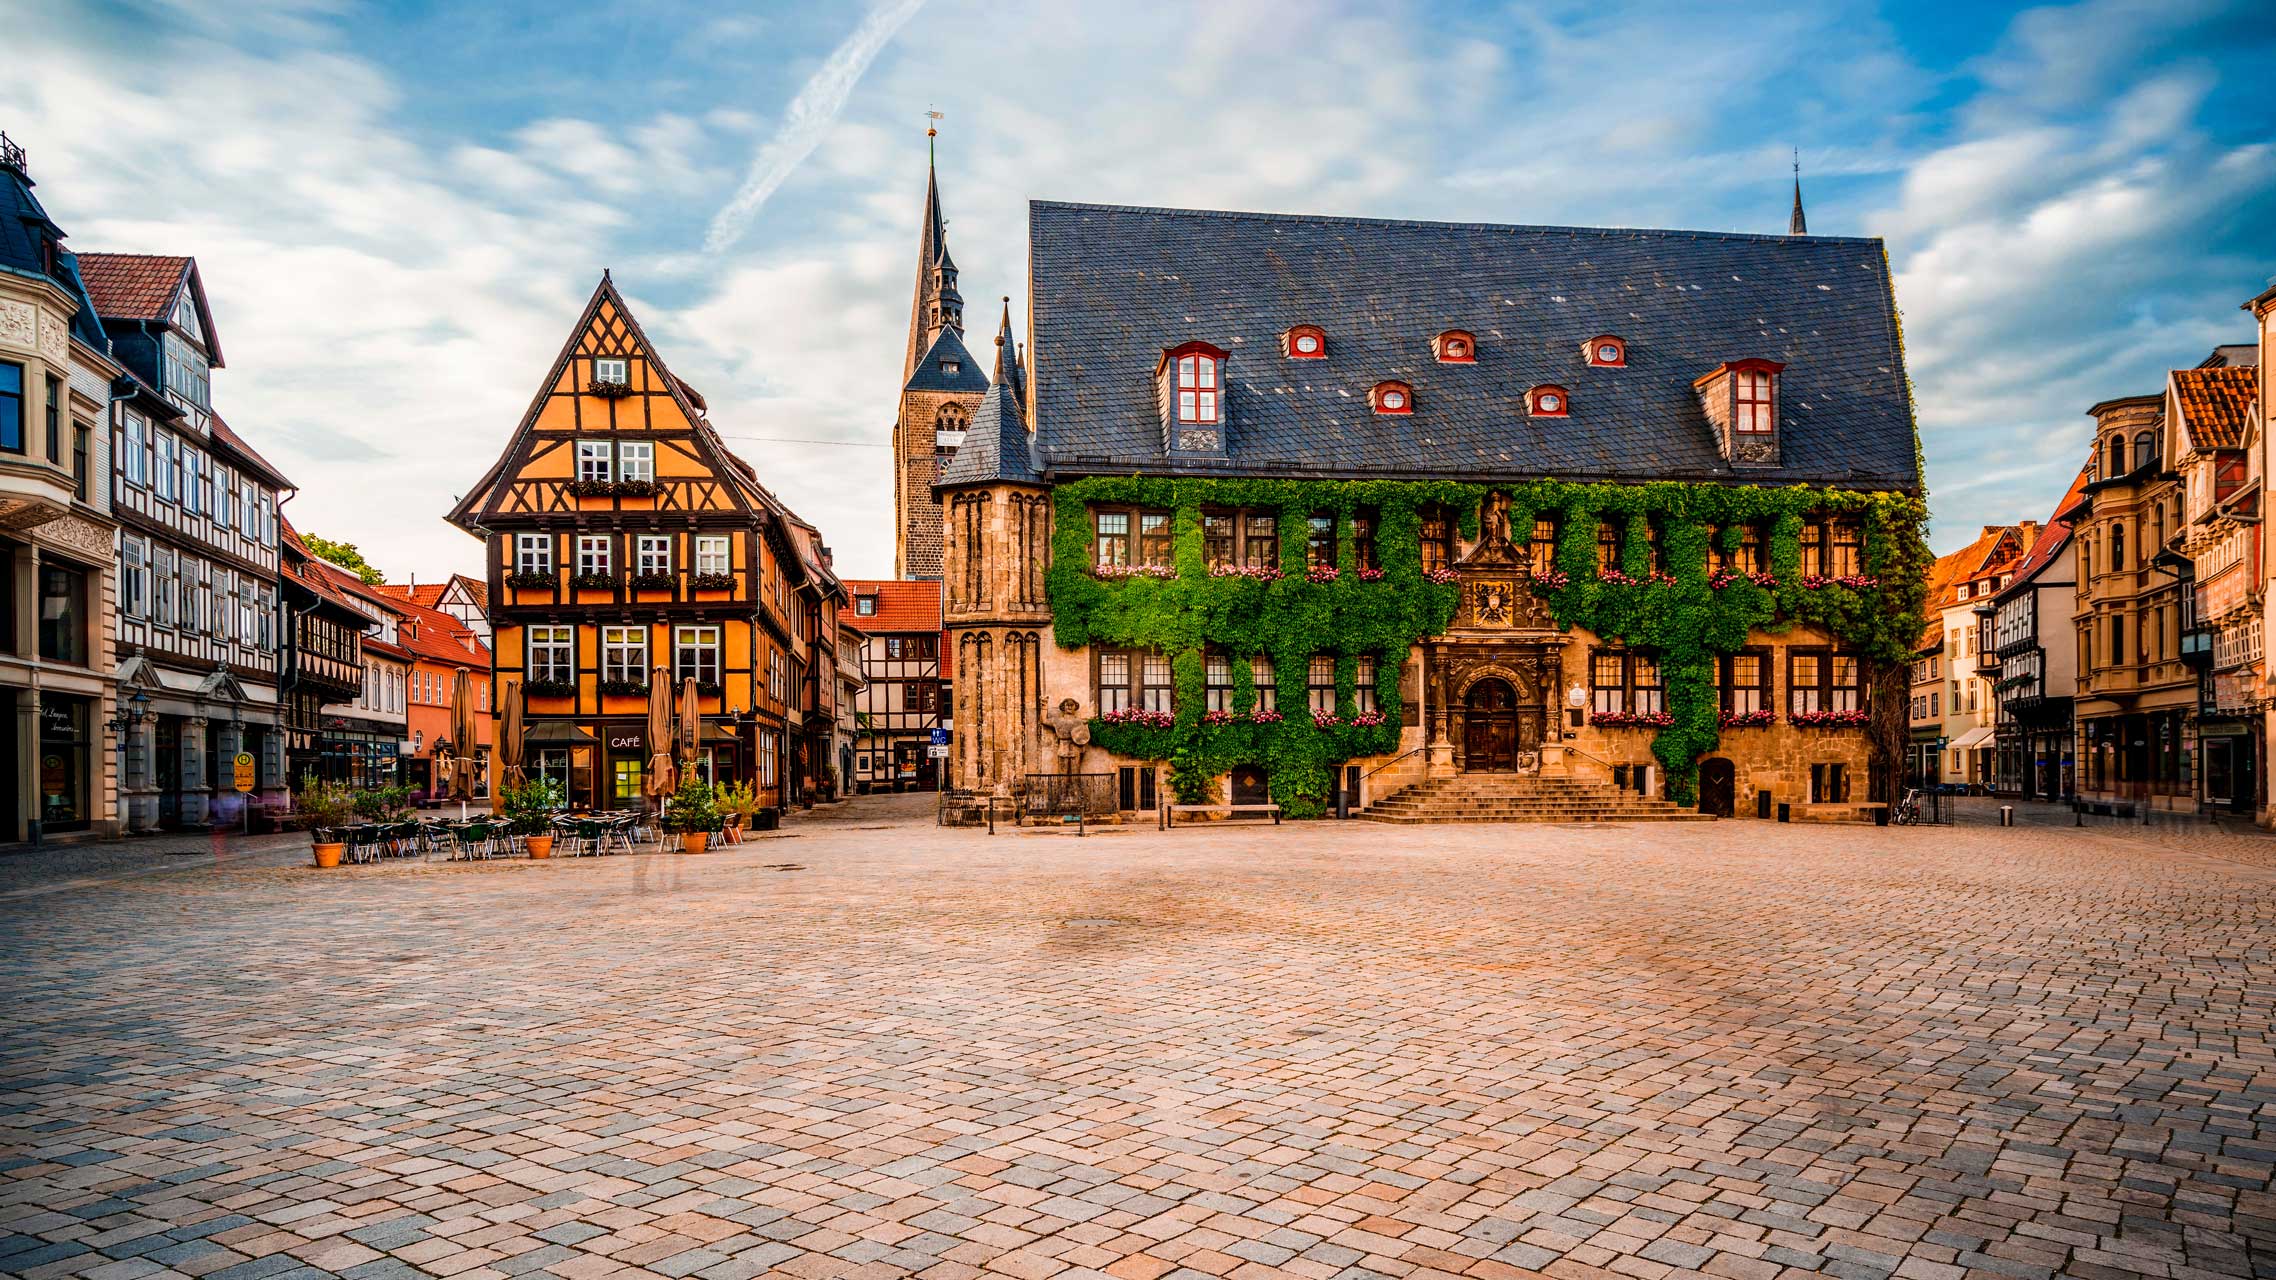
x,y
1419,517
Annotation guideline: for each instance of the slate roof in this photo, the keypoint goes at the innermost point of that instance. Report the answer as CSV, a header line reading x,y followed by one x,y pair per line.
x,y
2216,404
133,286
1113,286
995,445
23,223
931,375
902,606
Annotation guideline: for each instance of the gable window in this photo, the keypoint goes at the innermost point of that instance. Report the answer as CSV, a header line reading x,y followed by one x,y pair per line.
x,y
1754,413
1320,541
1363,547
865,606
593,553
1548,401
1197,389
615,370
1392,397
1260,548
1320,683
712,556
552,655
624,654
1606,351
593,461
636,460
695,654
655,551
1363,684
1744,678
1437,537
1260,674
1455,346
2145,450
533,553
1217,682
1113,538
1541,547
1305,342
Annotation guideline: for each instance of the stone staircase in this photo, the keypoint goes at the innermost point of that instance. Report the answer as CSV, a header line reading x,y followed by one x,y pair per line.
x,y
1517,797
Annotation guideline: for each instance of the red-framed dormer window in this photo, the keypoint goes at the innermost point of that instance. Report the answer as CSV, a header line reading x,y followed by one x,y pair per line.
x,y
1606,351
1455,346
1305,342
1754,390
1196,378
1392,397
1548,401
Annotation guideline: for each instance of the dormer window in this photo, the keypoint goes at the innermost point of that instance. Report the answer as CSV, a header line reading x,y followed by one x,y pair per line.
x,y
1392,397
1305,342
1198,391
612,369
951,366
1606,351
1740,400
1752,387
1548,401
1455,346
1190,386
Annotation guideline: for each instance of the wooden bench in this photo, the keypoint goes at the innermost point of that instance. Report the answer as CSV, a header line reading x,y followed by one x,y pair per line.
x,y
1171,811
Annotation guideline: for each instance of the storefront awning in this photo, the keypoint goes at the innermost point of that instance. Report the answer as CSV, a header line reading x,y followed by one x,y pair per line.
x,y
559,733
1975,737
713,731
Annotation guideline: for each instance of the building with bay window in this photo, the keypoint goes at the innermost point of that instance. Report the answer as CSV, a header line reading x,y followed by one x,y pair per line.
x,y
2214,446
58,584
1379,527
2031,637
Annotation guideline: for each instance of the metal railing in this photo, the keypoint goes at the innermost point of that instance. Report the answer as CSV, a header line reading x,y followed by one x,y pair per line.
x,y
1086,795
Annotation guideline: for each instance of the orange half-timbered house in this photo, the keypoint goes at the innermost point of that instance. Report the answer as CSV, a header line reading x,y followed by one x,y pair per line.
x,y
622,536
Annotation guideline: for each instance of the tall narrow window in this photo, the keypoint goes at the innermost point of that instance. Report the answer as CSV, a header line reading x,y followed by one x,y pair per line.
x,y
624,654
1363,548
1268,692
136,450
1541,547
636,460
1320,683
1647,696
55,420
1437,538
552,655
1805,682
11,407
594,464
1745,683
1260,547
134,576
1217,538
1753,387
593,554
1845,686
1363,684
1156,691
1113,681
1607,547
1197,389
1217,681
1154,538
1813,546
1846,550
1320,541
533,553
1113,538
1608,687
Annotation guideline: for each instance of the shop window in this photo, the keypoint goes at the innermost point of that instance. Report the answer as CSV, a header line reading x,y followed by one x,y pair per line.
x,y
63,613
628,783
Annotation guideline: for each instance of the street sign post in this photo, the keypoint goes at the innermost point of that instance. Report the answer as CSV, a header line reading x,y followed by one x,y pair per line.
x,y
937,753
242,768
940,737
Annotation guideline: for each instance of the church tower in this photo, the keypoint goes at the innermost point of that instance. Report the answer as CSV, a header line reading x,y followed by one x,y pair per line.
x,y
941,387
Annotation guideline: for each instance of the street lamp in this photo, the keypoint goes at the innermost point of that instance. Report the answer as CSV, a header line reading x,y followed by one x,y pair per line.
x,y
133,711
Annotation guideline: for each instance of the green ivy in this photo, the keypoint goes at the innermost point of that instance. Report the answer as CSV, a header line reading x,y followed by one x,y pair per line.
x,y
1686,621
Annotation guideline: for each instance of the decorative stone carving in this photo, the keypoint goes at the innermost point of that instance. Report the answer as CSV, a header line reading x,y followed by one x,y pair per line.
x,y
79,534
19,325
1070,733
55,338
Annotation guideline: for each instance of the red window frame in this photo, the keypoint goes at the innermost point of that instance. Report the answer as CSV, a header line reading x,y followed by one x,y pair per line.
x,y
1382,390
1312,331
1198,388
1619,351
1751,412
1456,346
1533,399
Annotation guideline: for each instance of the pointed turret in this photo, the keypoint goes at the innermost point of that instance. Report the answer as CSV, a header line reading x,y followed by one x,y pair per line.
x,y
1008,373
1796,224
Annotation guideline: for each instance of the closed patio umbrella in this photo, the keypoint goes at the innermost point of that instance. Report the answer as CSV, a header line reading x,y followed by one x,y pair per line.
x,y
462,733
509,747
663,779
690,723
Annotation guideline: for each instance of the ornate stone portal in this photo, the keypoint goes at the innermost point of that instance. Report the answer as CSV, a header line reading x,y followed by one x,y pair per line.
x,y
1494,677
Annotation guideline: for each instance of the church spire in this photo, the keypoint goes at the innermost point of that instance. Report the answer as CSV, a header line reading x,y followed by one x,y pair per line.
x,y
1009,374
1796,224
937,304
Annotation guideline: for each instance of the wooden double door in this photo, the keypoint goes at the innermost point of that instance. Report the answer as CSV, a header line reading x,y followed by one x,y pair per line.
x,y
1496,731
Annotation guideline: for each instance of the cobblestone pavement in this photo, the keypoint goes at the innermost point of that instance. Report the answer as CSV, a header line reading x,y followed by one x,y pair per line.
x,y
867,1047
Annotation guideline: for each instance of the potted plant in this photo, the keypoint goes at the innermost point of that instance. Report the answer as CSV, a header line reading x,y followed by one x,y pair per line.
x,y
692,811
528,808
325,807
737,802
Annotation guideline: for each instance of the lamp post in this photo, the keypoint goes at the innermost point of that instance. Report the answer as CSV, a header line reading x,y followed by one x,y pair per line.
x,y
131,712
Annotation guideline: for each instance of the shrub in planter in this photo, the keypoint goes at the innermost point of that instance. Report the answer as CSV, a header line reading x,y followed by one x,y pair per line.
x,y
528,808
737,801
384,804
609,390
693,811
325,807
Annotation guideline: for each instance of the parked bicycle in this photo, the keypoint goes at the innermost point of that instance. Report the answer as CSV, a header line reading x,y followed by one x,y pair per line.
x,y
1908,809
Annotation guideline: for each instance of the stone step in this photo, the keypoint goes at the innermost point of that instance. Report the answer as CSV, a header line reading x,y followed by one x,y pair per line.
x,y
1411,819
1523,798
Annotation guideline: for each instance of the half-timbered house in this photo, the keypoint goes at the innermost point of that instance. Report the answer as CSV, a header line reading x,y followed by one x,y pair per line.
x,y
623,540
905,677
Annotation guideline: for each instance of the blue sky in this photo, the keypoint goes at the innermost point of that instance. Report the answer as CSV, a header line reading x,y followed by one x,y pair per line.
x,y
400,207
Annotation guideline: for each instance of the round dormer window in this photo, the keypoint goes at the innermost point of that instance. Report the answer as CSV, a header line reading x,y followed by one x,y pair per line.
x,y
1551,402
1607,353
1457,348
1307,343
1394,399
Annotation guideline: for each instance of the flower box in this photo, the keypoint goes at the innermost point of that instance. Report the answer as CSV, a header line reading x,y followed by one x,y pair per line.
x,y
1722,578
1553,580
550,688
1265,715
713,582
1260,572
1217,717
593,582
1854,581
1616,578
1632,719
1370,575
1325,720
1746,719
709,688
531,581
1120,572
608,390
1367,719
1442,577
1136,715
1322,573
625,688
652,581
1831,719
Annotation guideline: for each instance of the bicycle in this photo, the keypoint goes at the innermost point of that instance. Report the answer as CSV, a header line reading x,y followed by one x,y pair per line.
x,y
1908,809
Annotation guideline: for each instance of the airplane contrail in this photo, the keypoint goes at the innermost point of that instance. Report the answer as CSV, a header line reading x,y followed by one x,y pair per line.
x,y
810,116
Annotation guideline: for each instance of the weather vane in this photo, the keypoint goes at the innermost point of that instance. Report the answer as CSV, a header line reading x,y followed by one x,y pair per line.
x,y
932,129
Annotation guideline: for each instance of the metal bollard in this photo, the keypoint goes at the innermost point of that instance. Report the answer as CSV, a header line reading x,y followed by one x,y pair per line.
x,y
2007,815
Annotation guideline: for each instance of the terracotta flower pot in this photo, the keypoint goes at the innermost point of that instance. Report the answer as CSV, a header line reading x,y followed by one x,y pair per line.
x,y
539,846
694,841
328,853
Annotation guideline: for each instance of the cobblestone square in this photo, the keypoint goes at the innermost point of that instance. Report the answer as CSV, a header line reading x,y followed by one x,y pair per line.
x,y
870,1047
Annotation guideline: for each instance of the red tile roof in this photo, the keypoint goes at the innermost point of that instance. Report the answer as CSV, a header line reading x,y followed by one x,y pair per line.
x,y
901,606
2056,533
424,594
229,438
132,286
2216,404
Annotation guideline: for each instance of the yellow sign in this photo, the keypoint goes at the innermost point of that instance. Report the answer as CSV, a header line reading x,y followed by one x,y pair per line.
x,y
243,765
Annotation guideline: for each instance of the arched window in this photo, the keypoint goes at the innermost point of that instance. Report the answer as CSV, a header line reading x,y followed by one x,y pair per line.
x,y
2145,450
2118,547
2116,465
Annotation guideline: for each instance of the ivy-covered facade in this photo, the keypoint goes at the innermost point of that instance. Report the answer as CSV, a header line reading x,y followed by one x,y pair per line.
x,y
1314,542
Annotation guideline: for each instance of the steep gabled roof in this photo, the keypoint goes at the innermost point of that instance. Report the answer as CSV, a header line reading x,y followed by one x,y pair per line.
x,y
997,445
145,286
902,606
246,455
1113,287
2216,404
934,374
2053,535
